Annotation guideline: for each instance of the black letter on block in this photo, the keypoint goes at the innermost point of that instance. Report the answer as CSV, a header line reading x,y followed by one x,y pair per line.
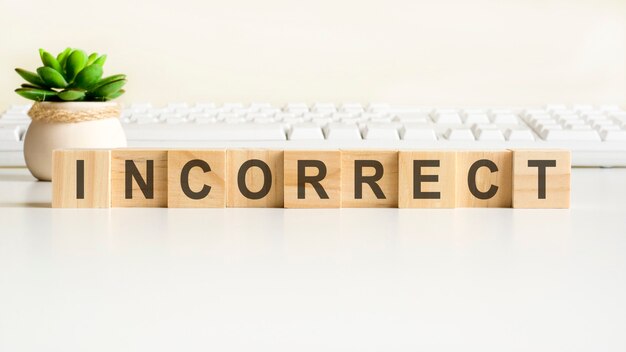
x,y
313,180
359,179
80,179
541,179
471,179
418,178
267,179
146,187
184,179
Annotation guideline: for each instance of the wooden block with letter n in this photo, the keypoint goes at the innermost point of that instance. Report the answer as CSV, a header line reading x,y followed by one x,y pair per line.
x,y
81,179
255,178
484,179
541,178
197,178
369,179
312,179
427,179
138,178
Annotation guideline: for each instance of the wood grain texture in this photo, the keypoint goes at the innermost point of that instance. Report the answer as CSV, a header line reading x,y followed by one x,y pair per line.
x,y
526,180
438,186
485,179
330,184
383,193
196,180
255,180
140,158
96,180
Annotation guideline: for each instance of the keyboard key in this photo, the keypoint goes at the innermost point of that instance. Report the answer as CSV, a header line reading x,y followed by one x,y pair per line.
x,y
489,135
305,131
445,118
517,135
456,134
473,118
10,133
570,135
342,131
380,131
417,132
504,118
613,135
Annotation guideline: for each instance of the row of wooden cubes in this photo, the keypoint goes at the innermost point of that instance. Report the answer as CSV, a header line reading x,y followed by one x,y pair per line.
x,y
310,178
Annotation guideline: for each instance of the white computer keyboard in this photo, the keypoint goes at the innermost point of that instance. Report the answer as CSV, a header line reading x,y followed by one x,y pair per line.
x,y
596,135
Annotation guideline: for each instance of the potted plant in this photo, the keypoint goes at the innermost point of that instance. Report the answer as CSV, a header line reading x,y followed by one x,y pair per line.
x,y
72,108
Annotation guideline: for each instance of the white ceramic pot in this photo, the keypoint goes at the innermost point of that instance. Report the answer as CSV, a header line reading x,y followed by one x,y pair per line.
x,y
44,137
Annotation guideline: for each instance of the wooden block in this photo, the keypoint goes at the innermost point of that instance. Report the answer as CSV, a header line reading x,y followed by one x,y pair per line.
x,y
255,178
369,179
81,179
484,179
138,178
427,179
196,178
312,178
541,178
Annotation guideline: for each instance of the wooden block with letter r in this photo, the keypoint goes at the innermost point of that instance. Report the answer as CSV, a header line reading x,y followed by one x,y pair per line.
x,y
369,179
197,178
427,179
312,179
81,179
541,178
255,178
484,179
138,178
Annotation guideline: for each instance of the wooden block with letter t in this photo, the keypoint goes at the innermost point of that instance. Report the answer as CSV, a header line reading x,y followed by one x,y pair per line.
x,y
312,179
196,178
138,178
541,178
484,179
255,178
369,179
427,179
81,179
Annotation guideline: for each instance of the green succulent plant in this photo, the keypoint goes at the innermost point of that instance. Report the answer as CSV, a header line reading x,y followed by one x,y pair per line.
x,y
70,76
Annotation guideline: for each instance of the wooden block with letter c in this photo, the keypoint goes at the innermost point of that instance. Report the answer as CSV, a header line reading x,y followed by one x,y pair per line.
x,y
196,178
484,179
138,178
312,179
541,178
81,178
255,178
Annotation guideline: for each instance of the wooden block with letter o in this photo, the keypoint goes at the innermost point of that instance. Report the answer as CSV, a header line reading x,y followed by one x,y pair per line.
x,y
427,179
484,179
541,178
81,179
312,179
138,178
197,178
369,179
255,178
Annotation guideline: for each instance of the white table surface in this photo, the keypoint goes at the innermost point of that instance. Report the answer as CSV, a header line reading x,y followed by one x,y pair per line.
x,y
314,280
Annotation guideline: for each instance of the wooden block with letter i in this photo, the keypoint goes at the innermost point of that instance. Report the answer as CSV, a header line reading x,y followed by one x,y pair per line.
x,y
138,178
427,179
197,178
81,179
312,179
369,179
484,179
255,178
541,178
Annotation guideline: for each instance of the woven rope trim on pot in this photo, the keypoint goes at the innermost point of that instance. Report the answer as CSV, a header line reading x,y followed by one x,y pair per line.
x,y
45,114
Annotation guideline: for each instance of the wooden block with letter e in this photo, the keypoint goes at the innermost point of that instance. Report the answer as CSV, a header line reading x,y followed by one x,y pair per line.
x,y
255,178
312,179
369,179
541,178
138,178
81,179
196,178
427,179
484,179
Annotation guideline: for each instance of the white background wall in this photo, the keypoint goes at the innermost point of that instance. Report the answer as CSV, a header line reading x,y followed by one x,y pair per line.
x,y
446,52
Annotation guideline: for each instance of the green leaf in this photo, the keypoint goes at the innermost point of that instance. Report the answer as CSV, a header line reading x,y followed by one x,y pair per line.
x,y
116,94
28,85
75,63
92,58
52,77
109,88
108,80
101,60
71,94
31,77
62,57
89,76
41,51
50,61
36,94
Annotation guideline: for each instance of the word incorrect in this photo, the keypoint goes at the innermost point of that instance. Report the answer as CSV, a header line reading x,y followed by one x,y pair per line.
x,y
218,178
